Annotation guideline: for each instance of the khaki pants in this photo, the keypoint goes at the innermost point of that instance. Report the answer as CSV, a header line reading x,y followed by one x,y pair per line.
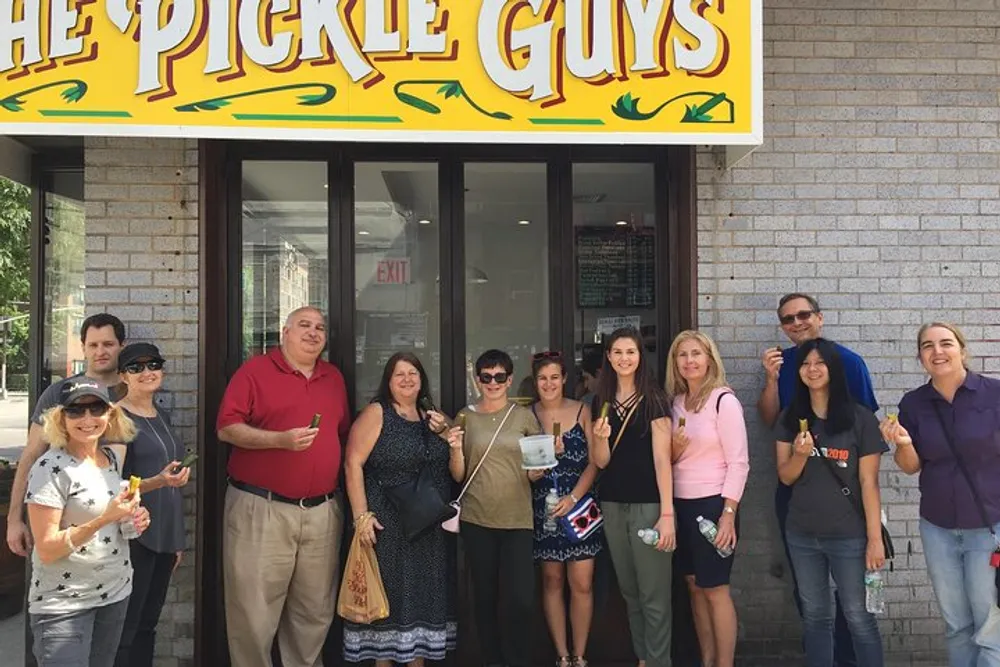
x,y
281,566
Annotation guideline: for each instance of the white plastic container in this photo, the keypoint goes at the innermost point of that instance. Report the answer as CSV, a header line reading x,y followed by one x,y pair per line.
x,y
538,452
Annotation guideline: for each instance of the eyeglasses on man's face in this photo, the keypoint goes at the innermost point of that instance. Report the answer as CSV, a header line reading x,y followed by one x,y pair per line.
x,y
801,316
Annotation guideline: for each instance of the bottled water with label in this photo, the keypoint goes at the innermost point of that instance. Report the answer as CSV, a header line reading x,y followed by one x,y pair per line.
x,y
649,536
551,500
709,531
874,592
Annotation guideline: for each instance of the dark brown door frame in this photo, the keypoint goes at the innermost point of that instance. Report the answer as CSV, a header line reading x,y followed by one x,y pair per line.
x,y
220,287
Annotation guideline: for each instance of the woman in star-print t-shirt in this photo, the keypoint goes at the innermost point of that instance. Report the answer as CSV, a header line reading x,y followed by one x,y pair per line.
x,y
81,571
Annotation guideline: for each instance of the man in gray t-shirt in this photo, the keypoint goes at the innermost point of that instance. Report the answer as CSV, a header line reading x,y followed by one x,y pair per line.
x,y
103,336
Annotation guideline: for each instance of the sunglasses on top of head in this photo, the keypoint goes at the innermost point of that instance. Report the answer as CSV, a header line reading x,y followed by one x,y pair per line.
x,y
137,367
801,316
78,410
486,378
547,354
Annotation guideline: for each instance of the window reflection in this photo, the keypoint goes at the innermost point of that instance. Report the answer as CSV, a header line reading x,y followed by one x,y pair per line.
x,y
285,247
396,260
614,219
64,281
507,267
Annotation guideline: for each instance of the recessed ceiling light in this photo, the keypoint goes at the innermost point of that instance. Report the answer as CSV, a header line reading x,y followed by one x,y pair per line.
x,y
424,221
621,223
362,232
524,222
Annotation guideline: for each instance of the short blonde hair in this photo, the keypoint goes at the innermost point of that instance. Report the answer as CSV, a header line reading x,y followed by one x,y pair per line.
x,y
121,428
963,344
715,377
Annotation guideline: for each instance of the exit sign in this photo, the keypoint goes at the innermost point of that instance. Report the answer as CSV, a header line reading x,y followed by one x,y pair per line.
x,y
395,271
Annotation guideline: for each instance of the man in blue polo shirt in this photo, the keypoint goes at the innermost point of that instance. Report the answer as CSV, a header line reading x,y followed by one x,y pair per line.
x,y
802,320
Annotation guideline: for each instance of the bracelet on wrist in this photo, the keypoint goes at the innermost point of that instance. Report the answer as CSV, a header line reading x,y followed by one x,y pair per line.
x,y
573,497
363,515
667,514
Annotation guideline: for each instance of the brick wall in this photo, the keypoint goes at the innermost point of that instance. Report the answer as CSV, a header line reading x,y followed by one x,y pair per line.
x,y
142,265
876,189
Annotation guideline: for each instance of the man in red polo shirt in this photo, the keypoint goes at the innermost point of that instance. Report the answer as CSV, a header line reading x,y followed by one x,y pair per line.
x,y
283,523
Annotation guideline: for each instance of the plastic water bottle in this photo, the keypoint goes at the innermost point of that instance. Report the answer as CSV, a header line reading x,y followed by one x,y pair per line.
x,y
127,525
649,536
874,592
709,531
551,500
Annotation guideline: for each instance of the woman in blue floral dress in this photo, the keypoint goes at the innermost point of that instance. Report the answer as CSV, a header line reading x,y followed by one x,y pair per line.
x,y
572,478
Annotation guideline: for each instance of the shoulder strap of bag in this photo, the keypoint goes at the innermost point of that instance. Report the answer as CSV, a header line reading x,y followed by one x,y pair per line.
x,y
844,488
625,421
965,473
483,460
718,402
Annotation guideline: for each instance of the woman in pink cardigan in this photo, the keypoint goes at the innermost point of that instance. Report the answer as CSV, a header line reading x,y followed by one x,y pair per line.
x,y
711,464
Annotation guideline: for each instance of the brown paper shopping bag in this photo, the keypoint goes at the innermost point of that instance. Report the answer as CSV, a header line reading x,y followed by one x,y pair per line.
x,y
362,596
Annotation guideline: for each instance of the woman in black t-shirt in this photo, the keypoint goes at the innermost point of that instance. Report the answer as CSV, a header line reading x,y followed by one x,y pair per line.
x,y
632,445
826,443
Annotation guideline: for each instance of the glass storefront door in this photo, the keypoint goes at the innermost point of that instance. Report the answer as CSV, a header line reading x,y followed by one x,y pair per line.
x,y
285,258
446,252
397,226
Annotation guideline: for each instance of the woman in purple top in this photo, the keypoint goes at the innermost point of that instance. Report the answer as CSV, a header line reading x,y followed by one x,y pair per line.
x,y
949,431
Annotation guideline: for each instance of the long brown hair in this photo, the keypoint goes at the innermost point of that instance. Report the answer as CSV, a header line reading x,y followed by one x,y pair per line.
x,y
654,403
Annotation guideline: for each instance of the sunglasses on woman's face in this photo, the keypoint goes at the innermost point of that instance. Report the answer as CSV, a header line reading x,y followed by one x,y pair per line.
x,y
801,316
137,367
486,378
78,410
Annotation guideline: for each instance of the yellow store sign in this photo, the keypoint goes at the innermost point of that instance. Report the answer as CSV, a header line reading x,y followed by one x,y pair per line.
x,y
540,71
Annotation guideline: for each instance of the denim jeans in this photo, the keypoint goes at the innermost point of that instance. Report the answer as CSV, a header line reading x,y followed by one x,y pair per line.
x,y
843,645
815,559
958,562
87,638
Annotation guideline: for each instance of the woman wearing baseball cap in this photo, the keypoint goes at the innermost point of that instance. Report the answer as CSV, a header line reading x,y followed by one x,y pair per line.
x,y
82,573
155,455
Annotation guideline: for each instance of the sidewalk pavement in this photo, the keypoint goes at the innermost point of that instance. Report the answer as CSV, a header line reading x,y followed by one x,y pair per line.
x,y
13,425
12,641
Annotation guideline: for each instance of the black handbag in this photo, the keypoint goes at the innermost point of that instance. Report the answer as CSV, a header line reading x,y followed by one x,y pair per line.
x,y
890,549
417,501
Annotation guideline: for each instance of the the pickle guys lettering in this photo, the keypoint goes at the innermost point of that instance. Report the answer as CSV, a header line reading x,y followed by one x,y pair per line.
x,y
586,38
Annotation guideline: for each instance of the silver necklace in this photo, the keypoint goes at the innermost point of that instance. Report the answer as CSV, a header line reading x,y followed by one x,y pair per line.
x,y
173,443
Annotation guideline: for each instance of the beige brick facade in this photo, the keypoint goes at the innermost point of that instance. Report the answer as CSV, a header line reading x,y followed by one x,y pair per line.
x,y
142,265
876,189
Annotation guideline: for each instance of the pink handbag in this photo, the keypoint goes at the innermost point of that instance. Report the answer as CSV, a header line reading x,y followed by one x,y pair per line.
x,y
452,525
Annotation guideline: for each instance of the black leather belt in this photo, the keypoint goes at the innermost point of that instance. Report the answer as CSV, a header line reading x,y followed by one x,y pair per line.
x,y
305,503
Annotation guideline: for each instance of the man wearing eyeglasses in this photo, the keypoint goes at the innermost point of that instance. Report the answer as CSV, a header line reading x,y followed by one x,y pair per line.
x,y
103,337
802,320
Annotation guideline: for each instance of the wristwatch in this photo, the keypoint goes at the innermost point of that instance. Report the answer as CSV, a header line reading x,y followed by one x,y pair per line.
x,y
728,510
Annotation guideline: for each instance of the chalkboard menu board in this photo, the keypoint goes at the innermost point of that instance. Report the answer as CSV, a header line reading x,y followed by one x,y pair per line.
x,y
615,267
